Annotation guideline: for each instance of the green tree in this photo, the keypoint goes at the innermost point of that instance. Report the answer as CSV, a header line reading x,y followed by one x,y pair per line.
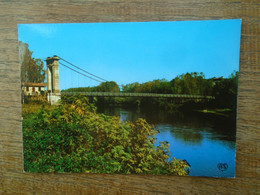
x,y
109,86
132,87
31,69
192,83
225,91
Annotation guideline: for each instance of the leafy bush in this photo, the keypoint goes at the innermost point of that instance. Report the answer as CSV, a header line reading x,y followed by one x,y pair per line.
x,y
74,138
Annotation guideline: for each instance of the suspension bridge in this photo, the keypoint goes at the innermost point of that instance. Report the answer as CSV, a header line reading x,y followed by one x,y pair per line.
x,y
54,93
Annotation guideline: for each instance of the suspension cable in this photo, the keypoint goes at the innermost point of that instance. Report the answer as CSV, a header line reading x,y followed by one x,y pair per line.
x,y
81,69
79,72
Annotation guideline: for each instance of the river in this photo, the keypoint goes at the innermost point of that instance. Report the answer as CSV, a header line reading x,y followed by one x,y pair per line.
x,y
206,141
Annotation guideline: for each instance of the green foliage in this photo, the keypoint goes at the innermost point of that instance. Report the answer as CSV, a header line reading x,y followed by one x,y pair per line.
x,y
30,109
74,138
155,86
225,91
31,69
109,86
131,88
194,83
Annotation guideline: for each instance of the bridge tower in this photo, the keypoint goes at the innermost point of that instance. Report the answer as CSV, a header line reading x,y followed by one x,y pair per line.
x,y
53,80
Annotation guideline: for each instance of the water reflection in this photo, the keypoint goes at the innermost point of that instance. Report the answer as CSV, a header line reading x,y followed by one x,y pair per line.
x,y
189,136
190,126
204,140
125,115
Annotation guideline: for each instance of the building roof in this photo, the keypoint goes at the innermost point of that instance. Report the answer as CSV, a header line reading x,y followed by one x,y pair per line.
x,y
33,84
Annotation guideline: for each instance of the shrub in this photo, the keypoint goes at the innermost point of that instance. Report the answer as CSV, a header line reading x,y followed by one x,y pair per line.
x,y
74,138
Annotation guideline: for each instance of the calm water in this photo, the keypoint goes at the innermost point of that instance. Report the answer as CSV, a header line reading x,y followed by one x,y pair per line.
x,y
206,141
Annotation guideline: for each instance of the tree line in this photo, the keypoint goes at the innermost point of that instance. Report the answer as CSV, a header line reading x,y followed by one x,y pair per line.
x,y
193,83
108,86
223,89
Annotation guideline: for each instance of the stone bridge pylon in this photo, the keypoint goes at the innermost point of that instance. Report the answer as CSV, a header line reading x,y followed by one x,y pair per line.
x,y
53,80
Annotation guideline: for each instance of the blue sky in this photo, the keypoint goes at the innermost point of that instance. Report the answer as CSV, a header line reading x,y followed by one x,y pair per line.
x,y
137,51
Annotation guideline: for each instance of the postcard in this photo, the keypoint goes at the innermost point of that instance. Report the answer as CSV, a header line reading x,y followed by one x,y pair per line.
x,y
130,98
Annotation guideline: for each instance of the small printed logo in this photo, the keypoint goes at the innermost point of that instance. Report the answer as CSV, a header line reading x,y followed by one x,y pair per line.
x,y
222,166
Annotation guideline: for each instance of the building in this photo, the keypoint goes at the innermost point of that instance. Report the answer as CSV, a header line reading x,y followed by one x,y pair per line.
x,y
33,88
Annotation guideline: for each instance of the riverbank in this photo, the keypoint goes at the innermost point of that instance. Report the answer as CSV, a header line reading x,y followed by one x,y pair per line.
x,y
168,105
222,112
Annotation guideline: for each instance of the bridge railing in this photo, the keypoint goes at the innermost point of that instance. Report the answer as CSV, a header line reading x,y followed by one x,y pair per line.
x,y
124,94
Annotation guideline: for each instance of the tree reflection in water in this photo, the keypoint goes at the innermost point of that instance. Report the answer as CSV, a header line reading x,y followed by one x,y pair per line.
x,y
201,139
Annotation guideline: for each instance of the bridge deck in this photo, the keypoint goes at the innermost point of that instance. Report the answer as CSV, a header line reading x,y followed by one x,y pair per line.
x,y
122,94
